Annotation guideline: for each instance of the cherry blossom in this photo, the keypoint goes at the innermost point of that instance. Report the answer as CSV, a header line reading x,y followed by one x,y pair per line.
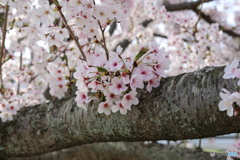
x,y
6,116
137,82
153,83
144,71
232,71
117,86
130,99
114,64
105,107
119,107
226,103
82,99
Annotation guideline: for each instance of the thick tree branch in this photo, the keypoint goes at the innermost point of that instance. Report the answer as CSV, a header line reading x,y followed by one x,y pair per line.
x,y
194,7
126,151
184,5
183,107
208,19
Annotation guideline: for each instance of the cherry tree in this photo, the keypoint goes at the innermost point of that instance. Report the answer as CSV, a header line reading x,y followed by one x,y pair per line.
x,y
81,71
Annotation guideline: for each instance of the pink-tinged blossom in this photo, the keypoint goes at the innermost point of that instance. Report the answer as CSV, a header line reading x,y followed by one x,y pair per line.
x,y
231,70
81,70
91,30
153,83
105,107
125,78
58,90
95,85
97,58
13,108
130,99
114,64
117,86
119,107
162,66
82,99
136,82
111,97
154,47
101,13
81,84
144,71
3,106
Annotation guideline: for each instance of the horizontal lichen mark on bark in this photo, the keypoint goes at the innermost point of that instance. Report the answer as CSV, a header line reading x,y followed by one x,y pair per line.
x,y
183,107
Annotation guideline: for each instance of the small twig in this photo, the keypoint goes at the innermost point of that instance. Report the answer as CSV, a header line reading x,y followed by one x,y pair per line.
x,y
4,31
104,40
198,12
69,30
20,68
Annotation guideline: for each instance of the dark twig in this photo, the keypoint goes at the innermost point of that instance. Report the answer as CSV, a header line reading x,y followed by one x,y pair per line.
x,y
4,31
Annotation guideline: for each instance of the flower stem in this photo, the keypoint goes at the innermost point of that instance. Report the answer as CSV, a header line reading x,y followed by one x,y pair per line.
x,y
69,30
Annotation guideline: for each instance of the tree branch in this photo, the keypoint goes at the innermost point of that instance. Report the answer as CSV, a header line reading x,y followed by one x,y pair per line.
x,y
183,6
126,151
208,19
179,7
183,107
194,7
4,32
70,30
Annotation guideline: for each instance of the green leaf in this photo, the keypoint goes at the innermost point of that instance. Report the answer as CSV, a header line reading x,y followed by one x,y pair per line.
x,y
13,22
102,70
55,10
141,53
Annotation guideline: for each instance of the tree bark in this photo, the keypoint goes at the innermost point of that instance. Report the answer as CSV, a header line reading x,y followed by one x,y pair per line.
x,y
126,151
182,107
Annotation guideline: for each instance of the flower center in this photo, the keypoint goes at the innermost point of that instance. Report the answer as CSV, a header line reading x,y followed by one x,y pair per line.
x,y
105,105
119,86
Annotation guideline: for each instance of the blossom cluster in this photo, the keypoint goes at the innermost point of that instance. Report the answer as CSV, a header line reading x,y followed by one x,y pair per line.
x,y
231,101
114,81
108,76
58,79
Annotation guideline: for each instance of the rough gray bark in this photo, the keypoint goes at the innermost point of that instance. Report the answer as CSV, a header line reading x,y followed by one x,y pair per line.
x,y
183,107
126,151
183,5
